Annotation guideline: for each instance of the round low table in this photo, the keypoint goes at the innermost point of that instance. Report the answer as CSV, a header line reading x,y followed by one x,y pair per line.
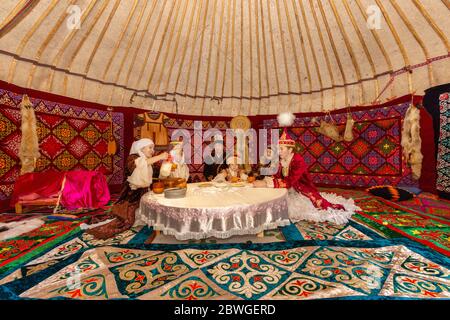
x,y
215,212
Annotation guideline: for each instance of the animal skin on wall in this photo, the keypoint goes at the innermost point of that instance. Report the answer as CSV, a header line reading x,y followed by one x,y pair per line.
x,y
373,157
70,138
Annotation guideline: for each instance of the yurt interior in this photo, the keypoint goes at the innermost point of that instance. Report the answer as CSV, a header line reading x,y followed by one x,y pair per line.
x,y
225,150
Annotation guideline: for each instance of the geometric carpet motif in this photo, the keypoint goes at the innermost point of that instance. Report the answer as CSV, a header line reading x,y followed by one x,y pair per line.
x,y
302,271
373,157
172,124
196,170
443,156
70,138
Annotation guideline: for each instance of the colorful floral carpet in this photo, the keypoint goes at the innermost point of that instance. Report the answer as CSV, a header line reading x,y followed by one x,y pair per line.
x,y
395,221
387,251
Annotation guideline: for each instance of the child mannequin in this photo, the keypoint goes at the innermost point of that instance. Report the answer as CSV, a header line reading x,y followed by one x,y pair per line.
x,y
233,173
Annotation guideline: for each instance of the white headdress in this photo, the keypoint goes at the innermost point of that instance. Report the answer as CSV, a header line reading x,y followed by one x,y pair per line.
x,y
136,147
141,176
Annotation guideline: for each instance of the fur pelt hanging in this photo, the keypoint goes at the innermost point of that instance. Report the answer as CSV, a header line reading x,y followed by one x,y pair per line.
x,y
348,133
29,144
411,141
329,130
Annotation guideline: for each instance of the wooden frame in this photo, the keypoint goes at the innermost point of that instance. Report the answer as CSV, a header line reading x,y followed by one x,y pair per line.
x,y
42,202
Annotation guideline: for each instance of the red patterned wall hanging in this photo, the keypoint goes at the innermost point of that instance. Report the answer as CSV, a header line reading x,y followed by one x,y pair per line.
x,y
443,156
173,122
70,137
373,157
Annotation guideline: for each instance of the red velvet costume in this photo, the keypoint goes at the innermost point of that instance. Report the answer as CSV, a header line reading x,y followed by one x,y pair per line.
x,y
299,178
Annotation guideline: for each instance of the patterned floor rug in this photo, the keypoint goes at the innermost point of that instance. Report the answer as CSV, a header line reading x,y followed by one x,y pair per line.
x,y
387,251
17,251
434,208
395,221
297,270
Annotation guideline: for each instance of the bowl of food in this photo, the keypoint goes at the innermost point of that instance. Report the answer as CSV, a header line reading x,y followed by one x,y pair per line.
x,y
221,185
238,185
175,193
205,185
158,187
172,182
235,179
182,184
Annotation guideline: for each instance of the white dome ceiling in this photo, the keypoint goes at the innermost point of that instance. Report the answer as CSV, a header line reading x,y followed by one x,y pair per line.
x,y
225,57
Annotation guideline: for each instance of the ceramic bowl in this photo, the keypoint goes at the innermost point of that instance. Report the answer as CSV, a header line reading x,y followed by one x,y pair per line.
x,y
175,193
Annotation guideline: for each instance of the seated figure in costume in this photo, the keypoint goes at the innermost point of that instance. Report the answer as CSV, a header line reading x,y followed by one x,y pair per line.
x,y
178,167
234,172
139,174
267,161
304,200
211,168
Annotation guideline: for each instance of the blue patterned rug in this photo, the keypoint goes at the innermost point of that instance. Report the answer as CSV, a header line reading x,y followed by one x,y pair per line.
x,y
301,261
304,269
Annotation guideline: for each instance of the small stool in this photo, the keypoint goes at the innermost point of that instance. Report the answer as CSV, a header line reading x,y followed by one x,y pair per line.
x,y
39,202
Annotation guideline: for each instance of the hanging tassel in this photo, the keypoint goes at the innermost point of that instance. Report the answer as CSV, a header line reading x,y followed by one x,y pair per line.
x,y
29,143
112,143
348,133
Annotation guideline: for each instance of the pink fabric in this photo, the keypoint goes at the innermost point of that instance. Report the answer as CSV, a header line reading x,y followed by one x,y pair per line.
x,y
83,189
37,185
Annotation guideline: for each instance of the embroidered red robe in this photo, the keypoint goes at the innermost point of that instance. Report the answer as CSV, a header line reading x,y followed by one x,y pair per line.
x,y
299,178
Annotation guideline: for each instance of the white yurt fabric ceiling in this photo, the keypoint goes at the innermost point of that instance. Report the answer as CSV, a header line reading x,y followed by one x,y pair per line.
x,y
226,57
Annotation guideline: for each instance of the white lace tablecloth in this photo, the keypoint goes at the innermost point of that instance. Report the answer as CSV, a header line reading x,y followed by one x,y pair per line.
x,y
215,212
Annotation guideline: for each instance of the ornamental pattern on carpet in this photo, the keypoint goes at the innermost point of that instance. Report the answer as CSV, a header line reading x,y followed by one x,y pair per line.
x,y
305,272
443,158
395,221
374,157
69,138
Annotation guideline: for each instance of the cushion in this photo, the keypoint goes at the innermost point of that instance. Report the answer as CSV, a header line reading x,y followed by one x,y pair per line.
x,y
391,193
414,190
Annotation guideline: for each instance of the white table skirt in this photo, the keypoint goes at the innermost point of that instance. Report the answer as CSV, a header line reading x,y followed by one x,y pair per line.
x,y
215,212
